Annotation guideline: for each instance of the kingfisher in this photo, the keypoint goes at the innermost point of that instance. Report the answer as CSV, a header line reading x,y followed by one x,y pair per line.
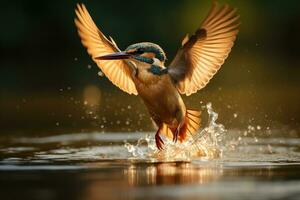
x,y
141,70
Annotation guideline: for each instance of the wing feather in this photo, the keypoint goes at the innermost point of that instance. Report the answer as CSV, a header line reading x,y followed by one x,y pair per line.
x,y
119,72
201,56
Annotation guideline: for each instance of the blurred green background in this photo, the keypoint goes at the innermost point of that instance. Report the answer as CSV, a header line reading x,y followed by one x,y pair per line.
x,y
49,84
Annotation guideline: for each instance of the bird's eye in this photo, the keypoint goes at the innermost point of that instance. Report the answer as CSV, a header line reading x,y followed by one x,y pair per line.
x,y
139,51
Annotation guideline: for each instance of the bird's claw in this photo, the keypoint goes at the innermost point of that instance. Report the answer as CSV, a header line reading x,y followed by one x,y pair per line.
x,y
159,142
175,136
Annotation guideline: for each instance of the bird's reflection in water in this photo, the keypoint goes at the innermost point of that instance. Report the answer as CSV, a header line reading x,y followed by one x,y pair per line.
x,y
170,173
129,180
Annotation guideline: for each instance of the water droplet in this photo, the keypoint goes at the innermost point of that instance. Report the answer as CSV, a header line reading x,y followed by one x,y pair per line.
x,y
270,148
141,116
100,73
251,128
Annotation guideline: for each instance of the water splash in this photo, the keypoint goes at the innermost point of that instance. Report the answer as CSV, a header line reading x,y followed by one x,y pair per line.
x,y
206,144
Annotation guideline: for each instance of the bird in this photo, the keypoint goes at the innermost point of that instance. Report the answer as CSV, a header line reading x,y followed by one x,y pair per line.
x,y
141,68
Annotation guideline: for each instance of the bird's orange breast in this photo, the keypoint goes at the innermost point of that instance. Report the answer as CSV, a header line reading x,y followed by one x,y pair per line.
x,y
160,96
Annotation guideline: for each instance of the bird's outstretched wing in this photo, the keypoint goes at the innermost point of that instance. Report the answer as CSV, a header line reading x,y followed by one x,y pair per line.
x,y
203,53
117,71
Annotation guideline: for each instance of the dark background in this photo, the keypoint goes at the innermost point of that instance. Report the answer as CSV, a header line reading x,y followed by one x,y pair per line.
x,y
46,76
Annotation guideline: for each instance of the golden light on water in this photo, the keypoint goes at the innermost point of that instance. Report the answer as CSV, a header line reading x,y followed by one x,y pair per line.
x,y
171,173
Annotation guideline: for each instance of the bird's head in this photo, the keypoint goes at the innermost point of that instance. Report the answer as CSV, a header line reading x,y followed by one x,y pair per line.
x,y
144,52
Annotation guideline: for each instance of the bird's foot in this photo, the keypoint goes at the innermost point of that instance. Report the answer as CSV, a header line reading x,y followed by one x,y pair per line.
x,y
159,142
175,136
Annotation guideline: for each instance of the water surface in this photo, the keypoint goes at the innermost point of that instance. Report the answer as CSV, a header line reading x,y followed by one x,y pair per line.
x,y
118,166
215,163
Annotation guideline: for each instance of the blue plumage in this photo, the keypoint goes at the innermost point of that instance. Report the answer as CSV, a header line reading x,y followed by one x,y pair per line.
x,y
149,47
156,70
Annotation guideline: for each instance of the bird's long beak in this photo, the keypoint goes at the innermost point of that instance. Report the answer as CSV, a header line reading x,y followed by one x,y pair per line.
x,y
114,56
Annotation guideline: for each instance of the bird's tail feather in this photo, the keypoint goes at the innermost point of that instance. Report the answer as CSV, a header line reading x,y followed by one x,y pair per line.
x,y
191,125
